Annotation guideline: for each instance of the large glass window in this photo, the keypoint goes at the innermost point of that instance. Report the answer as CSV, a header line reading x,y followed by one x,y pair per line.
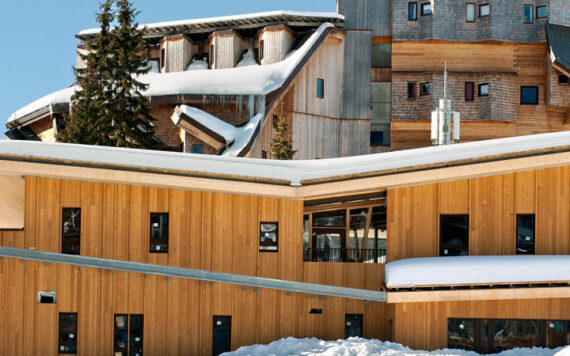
x,y
525,234
454,235
128,335
71,231
529,95
461,334
412,11
67,340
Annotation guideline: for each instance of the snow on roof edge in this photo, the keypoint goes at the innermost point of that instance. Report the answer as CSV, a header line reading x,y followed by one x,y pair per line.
x,y
465,270
295,172
323,15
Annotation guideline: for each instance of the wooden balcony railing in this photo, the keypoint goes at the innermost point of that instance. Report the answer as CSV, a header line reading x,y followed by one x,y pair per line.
x,y
345,255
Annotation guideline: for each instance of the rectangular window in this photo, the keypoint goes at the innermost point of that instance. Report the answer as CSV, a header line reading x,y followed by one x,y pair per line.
x,y
275,121
424,89
470,12
162,57
198,149
353,325
159,232
71,230
426,9
264,154
320,88
541,12
268,236
562,79
47,297
525,234
411,90
212,56
461,334
261,49
221,335
454,235
412,11
67,340
484,10
381,55
469,91
529,95
528,10
128,334
376,138
483,89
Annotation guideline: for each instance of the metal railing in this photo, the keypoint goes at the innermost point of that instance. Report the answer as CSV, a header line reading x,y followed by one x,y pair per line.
x,y
345,255
202,275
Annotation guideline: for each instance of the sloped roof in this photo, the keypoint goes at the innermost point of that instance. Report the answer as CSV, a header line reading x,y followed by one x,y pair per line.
x,y
558,38
294,173
255,20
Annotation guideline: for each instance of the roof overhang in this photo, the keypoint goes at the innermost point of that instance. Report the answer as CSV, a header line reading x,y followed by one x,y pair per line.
x,y
237,22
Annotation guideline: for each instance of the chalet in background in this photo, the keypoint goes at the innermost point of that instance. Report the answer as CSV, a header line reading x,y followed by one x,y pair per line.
x,y
359,81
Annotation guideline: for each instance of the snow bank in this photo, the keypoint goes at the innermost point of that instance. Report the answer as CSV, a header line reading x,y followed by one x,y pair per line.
x,y
477,270
248,59
364,347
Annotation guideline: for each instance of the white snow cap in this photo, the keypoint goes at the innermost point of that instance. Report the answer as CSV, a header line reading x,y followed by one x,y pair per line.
x,y
463,270
222,128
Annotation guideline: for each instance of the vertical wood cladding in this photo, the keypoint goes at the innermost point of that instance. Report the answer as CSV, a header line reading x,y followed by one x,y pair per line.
x,y
277,42
373,15
227,49
492,204
209,231
357,74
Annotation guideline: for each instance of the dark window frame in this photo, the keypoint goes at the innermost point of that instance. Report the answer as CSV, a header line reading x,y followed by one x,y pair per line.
x,y
261,50
211,55
562,81
64,346
479,89
541,7
413,15
130,341
160,241
321,86
412,95
525,6
472,84
474,12
220,347
520,248
481,6
163,57
374,142
264,154
535,102
350,318
428,5
269,246
446,246
423,86
71,241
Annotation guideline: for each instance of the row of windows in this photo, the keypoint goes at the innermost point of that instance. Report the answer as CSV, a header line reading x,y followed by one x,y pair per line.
x,y
470,10
497,335
454,235
71,233
128,332
529,94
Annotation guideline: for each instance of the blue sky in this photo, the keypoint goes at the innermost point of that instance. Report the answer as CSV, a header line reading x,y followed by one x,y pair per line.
x,y
39,43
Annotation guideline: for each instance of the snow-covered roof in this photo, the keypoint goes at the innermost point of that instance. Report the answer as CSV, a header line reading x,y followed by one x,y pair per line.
x,y
226,131
248,80
55,102
245,136
253,20
469,270
288,172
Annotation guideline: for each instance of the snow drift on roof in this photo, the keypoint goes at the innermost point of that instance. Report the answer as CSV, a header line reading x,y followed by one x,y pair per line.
x,y
465,270
294,172
212,123
244,136
249,80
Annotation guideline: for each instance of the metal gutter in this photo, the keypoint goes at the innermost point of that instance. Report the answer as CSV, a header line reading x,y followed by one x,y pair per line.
x,y
188,273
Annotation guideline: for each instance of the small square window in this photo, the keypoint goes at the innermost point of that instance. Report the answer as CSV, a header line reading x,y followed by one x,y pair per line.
x,y
469,91
484,10
528,14
71,231
67,340
529,95
426,9
320,88
454,235
376,138
412,11
159,232
45,297
264,154
525,234
562,79
541,12
411,90
424,89
470,12
268,236
483,89
198,149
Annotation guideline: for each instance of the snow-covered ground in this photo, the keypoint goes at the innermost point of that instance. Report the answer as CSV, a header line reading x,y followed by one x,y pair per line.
x,y
363,347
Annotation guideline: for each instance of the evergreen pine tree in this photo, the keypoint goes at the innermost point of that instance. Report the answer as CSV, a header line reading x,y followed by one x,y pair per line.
x,y
282,143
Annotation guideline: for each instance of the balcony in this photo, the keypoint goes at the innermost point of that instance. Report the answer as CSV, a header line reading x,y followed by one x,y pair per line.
x,y
345,255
